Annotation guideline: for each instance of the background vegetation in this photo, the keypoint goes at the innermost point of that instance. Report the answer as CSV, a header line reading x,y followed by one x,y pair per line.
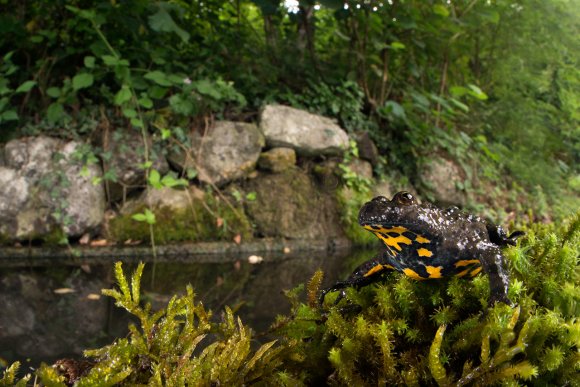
x,y
494,84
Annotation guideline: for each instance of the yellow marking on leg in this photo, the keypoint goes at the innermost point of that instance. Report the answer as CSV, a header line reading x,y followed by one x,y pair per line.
x,y
462,273
434,272
412,274
466,262
475,271
420,239
373,270
423,252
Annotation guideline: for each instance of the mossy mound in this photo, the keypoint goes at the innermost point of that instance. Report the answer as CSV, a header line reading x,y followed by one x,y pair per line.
x,y
211,220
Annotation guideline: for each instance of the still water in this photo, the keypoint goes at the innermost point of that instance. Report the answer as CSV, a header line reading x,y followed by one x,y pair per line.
x,y
56,312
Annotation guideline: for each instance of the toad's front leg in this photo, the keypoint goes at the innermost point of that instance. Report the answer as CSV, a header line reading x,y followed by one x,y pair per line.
x,y
494,266
363,275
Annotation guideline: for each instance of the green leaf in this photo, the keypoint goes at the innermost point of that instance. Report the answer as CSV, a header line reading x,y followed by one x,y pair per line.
x,y
146,102
53,92
137,122
55,112
477,92
206,87
397,46
158,77
81,81
123,95
25,87
130,113
440,10
165,133
110,60
162,21
9,115
155,179
89,62
170,182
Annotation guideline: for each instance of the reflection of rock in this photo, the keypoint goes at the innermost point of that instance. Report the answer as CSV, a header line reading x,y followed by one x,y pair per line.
x,y
228,151
36,322
290,205
442,177
127,151
47,184
309,134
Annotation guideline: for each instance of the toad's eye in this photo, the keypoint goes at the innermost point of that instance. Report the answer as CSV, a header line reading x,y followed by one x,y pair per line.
x,y
404,198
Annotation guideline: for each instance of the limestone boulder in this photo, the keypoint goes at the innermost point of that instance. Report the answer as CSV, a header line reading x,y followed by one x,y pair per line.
x,y
291,205
47,186
309,134
228,151
443,177
127,150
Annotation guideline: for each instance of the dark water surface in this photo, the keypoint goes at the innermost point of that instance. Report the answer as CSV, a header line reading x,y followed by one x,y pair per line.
x,y
50,313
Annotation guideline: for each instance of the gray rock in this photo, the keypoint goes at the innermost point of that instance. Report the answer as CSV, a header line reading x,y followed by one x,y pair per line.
x,y
362,168
367,150
165,198
442,177
127,154
309,134
277,159
47,186
290,205
228,151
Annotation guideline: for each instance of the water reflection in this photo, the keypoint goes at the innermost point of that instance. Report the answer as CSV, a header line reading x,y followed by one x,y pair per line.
x,y
50,313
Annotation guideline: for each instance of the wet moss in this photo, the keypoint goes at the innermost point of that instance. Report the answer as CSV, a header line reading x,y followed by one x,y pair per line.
x,y
213,220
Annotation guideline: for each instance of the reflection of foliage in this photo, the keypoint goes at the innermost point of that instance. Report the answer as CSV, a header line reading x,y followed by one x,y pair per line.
x,y
398,332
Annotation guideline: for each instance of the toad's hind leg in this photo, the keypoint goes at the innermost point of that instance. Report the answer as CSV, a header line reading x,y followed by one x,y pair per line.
x,y
363,275
494,266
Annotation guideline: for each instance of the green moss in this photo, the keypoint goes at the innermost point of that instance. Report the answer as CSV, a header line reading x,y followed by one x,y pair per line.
x,y
210,221
350,201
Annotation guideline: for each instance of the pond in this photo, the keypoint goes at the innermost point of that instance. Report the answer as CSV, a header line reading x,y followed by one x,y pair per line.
x,y
47,313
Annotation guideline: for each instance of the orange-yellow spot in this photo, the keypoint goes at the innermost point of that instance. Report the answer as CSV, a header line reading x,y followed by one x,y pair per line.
x,y
397,229
434,272
420,239
394,242
475,272
413,274
462,273
373,270
466,262
423,252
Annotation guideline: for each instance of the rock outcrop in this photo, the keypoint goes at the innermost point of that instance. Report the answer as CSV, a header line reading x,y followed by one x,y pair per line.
x,y
46,186
309,134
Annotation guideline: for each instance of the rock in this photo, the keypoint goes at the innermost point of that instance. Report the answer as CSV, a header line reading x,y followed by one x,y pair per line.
x,y
127,151
228,151
47,187
367,150
277,159
309,134
442,177
290,205
362,168
165,198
